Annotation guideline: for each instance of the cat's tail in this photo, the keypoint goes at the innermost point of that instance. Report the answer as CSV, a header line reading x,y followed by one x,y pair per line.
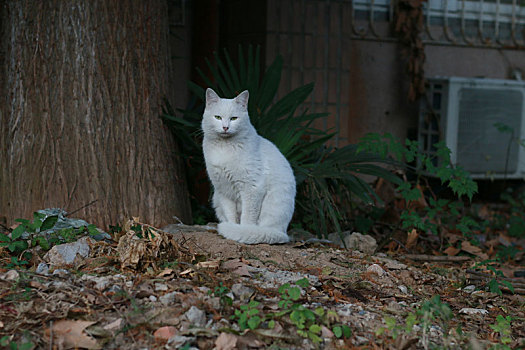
x,y
252,234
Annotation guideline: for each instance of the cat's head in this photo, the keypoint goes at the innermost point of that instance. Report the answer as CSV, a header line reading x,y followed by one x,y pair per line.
x,y
226,117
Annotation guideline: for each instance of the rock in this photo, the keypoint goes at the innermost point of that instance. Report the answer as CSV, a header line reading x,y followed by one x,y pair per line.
x,y
359,340
195,316
61,273
470,288
64,222
274,279
168,298
473,311
161,287
102,283
69,253
226,341
115,326
338,238
152,298
376,269
42,269
178,341
364,243
241,291
326,333
395,265
403,289
11,275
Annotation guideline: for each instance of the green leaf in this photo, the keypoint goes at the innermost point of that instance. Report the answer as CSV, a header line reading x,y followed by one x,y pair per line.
x,y
49,223
254,322
295,293
303,282
338,331
315,328
4,238
17,232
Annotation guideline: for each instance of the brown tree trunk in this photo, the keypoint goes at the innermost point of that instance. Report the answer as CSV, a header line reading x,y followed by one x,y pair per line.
x,y
81,90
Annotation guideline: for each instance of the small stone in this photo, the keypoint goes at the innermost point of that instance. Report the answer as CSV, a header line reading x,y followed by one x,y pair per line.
x,y
364,243
359,340
152,298
470,288
161,287
395,265
403,289
326,333
11,275
178,341
241,291
168,298
376,269
69,253
42,269
115,326
473,311
196,316
60,272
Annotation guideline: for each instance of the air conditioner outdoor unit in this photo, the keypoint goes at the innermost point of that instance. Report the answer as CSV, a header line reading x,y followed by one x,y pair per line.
x,y
468,114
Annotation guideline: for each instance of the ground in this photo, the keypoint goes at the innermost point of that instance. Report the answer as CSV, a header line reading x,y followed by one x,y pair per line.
x,y
192,288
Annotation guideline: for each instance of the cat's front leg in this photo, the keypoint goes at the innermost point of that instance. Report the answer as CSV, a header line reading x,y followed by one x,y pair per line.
x,y
251,207
225,208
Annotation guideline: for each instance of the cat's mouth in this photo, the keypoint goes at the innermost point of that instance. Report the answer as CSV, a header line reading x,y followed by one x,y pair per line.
x,y
225,134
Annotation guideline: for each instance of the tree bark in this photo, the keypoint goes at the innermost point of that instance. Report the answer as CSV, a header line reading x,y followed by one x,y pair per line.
x,y
82,87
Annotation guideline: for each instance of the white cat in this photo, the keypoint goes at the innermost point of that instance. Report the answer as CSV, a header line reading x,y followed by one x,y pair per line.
x,y
254,185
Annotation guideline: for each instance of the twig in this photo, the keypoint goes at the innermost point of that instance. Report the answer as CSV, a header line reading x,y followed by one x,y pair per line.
x,y
481,275
445,258
83,207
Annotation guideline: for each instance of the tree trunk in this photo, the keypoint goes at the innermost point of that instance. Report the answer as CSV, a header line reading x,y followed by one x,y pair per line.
x,y
82,87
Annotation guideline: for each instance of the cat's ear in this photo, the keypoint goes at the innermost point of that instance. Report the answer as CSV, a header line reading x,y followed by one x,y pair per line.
x,y
211,97
242,99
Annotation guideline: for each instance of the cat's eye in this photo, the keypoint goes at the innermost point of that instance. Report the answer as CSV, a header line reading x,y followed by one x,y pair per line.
x,y
234,118
218,117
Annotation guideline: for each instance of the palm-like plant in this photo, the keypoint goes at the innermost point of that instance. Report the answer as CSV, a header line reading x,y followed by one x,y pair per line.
x,y
327,177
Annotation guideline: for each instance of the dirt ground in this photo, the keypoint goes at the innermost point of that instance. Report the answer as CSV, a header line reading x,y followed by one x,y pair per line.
x,y
187,290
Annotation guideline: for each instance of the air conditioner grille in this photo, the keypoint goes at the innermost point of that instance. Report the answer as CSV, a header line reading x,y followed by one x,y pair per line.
x,y
481,146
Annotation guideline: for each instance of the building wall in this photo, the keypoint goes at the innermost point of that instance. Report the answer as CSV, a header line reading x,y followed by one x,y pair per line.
x,y
349,50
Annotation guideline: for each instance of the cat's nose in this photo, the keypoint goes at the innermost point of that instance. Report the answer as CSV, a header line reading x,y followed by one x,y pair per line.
x,y
225,128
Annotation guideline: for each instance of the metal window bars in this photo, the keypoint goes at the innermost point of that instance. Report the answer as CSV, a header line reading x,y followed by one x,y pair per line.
x,y
479,23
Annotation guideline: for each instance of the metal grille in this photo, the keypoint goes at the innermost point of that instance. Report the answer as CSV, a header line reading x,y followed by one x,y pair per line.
x,y
481,146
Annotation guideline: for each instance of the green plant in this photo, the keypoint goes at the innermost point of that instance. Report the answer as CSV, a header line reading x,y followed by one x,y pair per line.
x,y
17,241
502,326
248,316
222,292
307,322
6,342
426,218
494,284
325,176
432,311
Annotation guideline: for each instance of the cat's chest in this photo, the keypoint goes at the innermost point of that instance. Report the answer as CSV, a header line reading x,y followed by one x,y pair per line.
x,y
231,164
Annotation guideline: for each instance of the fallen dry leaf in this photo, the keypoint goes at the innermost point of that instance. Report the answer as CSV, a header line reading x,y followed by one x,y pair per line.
x,y
452,251
165,333
69,334
213,264
466,246
226,341
412,238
